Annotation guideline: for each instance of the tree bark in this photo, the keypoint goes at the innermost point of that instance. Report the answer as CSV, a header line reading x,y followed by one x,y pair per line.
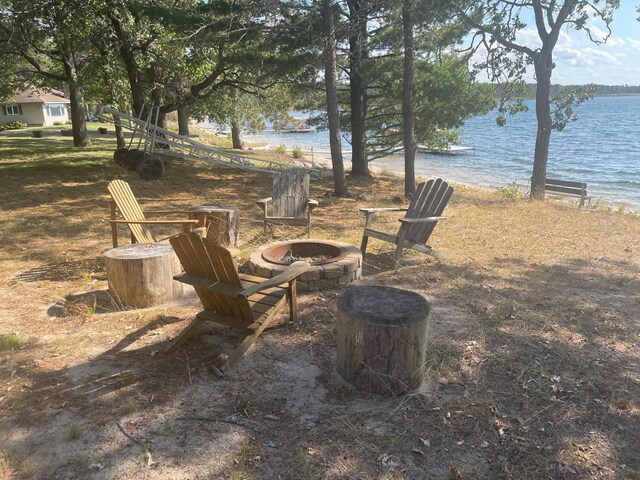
x,y
236,131
121,143
157,97
381,336
78,119
78,116
357,88
183,120
127,55
408,115
543,68
141,274
236,136
333,113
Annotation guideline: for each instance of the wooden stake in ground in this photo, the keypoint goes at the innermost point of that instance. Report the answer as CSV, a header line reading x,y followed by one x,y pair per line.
x,y
141,274
382,333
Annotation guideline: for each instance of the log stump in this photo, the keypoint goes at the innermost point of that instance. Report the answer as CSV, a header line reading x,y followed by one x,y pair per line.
x,y
382,334
222,223
141,274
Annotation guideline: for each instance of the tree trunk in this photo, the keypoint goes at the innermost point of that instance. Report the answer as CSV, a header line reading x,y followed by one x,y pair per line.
x,y
357,41
121,143
78,119
236,132
183,120
333,114
236,136
123,46
543,67
78,116
157,97
408,116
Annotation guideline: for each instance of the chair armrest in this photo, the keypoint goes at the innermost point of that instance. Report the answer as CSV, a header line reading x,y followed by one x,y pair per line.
x,y
391,209
421,220
156,222
295,270
207,284
169,212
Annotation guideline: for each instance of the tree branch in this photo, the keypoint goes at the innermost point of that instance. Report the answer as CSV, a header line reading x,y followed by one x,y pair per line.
x,y
541,27
499,37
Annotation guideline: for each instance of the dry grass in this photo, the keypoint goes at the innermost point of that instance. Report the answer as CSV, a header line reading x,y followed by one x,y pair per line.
x,y
533,363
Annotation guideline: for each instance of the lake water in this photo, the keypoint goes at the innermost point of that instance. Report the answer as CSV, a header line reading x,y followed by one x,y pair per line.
x,y
602,149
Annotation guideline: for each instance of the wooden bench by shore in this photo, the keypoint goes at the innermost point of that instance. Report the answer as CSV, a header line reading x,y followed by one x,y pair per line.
x,y
568,188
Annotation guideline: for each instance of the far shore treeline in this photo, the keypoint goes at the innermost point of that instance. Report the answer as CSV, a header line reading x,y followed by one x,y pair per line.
x,y
597,90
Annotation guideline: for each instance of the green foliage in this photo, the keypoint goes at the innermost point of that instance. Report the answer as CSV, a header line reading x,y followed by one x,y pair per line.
x,y
562,106
281,149
445,95
498,22
511,191
13,125
296,152
10,341
59,123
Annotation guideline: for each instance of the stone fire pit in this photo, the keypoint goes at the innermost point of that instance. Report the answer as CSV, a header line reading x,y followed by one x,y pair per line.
x,y
332,263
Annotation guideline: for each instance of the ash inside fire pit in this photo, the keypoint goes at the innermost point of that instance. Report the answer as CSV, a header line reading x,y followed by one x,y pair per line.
x,y
316,253
317,259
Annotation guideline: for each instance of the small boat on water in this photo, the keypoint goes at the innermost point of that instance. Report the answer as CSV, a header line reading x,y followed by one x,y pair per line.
x,y
450,150
298,128
292,125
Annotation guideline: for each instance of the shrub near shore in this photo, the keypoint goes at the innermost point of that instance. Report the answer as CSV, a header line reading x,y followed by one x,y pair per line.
x,y
532,358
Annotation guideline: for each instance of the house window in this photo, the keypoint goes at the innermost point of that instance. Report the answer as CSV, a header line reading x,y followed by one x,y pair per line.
x,y
56,109
13,110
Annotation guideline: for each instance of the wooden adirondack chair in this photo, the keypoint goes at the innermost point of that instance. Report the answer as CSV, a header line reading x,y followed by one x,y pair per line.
x,y
230,298
291,204
124,202
427,204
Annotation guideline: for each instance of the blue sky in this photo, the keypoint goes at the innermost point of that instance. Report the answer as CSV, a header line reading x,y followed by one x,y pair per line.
x,y
580,61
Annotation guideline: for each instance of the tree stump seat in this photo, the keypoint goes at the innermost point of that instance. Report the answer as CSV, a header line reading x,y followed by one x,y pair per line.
x,y
141,274
382,333
222,223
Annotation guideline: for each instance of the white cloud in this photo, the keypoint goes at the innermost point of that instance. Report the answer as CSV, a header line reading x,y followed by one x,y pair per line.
x,y
579,60
615,41
634,43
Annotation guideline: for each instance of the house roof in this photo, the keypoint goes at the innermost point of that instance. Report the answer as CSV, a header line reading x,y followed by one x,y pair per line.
x,y
36,95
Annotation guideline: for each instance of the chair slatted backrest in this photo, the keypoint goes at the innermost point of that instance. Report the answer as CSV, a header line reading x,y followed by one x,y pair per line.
x,y
130,209
429,200
290,194
205,259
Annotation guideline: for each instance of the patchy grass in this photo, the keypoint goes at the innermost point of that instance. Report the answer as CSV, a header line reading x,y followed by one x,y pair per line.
x,y
9,341
533,362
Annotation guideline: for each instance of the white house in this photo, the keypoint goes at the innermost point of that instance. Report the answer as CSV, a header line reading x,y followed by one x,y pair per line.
x,y
35,107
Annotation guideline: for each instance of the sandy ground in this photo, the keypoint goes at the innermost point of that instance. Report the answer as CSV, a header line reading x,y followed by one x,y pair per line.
x,y
533,368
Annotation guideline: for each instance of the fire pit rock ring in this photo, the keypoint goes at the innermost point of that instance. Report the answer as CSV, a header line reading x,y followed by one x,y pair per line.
x,y
333,263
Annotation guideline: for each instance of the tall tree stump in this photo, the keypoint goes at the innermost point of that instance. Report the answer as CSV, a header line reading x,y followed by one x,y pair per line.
x,y
141,274
222,223
382,334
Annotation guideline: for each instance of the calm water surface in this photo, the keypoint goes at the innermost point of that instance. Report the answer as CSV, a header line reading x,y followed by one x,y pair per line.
x,y
602,148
